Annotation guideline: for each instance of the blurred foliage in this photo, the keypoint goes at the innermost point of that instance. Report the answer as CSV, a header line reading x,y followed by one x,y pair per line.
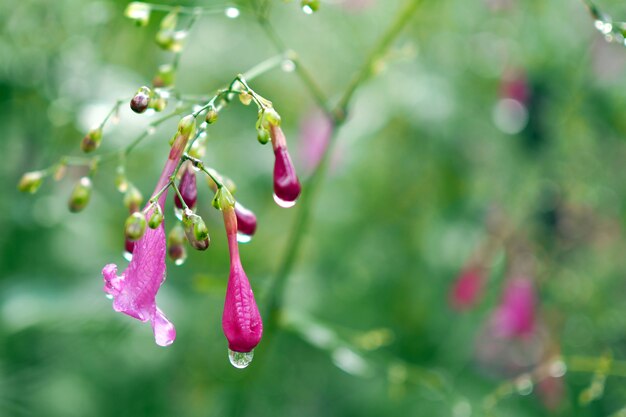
x,y
423,160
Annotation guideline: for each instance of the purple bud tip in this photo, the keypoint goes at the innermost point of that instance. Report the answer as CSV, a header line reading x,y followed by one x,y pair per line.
x,y
188,189
241,320
246,220
140,101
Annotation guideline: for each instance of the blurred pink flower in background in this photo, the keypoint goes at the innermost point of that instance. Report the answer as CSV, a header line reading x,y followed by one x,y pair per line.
x,y
467,290
515,316
514,85
315,132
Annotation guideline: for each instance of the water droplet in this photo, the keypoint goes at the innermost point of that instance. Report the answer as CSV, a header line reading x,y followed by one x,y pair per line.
x,y
283,203
180,261
288,65
524,385
243,238
307,9
151,130
557,368
232,12
240,360
178,213
109,296
128,256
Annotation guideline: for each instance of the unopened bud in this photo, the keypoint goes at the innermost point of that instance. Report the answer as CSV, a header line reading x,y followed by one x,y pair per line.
x,y
135,226
211,116
133,198
269,117
158,103
196,231
139,103
262,135
246,220
30,182
187,188
80,195
245,98
176,245
156,218
187,125
92,140
139,12
223,199
165,77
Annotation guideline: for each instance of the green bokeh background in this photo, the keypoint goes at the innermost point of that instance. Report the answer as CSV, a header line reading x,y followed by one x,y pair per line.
x,y
366,329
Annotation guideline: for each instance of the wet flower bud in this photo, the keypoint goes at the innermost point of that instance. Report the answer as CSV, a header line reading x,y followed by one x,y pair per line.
x,y
156,218
139,103
246,221
133,198
92,140
223,199
195,230
245,98
188,188
286,184
187,125
135,226
30,182
176,245
80,195
211,116
165,77
139,12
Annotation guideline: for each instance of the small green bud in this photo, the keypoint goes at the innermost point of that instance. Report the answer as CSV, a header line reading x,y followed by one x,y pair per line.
x,y
156,218
195,229
310,6
270,117
121,183
135,226
223,199
211,116
176,245
133,198
245,98
165,77
30,182
158,103
187,125
138,12
80,195
170,21
92,140
262,135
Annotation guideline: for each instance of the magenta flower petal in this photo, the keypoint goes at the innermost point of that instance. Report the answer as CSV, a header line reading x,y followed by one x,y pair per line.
x,y
246,220
286,184
241,320
515,316
467,289
134,291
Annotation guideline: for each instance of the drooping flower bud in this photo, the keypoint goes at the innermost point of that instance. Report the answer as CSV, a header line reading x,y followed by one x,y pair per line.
x,y
467,289
80,195
135,226
156,218
515,315
262,135
30,182
139,103
92,140
187,125
211,116
165,77
246,223
176,245
187,187
139,12
195,230
241,320
286,184
132,198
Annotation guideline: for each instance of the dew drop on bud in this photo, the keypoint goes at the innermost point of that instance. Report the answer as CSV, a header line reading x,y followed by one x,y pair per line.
x,y
284,203
243,238
240,360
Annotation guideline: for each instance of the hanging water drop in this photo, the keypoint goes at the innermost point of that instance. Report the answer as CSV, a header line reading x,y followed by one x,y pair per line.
x,y
127,255
109,296
307,9
288,65
283,203
243,238
232,12
178,213
240,360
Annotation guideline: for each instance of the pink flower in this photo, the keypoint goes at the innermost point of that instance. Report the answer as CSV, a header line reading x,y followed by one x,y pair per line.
x,y
467,289
315,133
187,187
246,220
134,292
286,184
241,320
515,316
